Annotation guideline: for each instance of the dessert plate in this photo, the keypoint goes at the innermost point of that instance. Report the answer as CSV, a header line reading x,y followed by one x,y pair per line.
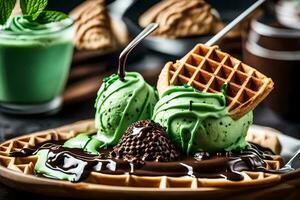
x,y
18,173
227,10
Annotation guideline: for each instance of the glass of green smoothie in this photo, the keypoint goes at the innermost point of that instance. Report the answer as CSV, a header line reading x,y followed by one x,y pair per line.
x,y
34,64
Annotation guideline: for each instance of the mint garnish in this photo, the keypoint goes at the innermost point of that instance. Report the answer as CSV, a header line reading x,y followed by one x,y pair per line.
x,y
7,7
33,8
51,16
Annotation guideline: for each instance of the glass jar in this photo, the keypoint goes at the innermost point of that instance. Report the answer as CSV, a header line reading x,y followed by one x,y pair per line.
x,y
275,50
34,65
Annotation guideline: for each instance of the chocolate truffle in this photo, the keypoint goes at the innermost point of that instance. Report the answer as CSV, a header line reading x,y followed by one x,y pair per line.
x,y
145,140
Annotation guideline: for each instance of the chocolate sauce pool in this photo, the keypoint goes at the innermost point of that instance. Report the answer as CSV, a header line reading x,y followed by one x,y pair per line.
x,y
79,164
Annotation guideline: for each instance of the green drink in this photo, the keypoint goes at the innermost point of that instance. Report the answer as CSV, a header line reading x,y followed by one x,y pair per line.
x,y
34,64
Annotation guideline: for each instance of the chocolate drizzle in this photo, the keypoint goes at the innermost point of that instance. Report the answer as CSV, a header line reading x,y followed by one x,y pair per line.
x,y
77,164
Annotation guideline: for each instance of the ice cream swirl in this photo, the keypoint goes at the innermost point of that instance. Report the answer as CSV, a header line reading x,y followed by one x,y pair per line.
x,y
23,24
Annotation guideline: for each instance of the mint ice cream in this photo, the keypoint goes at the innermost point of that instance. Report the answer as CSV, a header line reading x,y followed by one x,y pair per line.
x,y
118,105
199,121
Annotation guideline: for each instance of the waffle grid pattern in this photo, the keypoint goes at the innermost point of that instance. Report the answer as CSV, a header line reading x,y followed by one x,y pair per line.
x,y
207,69
26,165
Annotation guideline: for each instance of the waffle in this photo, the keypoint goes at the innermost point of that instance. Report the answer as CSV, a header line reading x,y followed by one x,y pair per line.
x,y
25,165
208,68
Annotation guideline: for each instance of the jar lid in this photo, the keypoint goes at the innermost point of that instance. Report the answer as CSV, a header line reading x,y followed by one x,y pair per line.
x,y
268,26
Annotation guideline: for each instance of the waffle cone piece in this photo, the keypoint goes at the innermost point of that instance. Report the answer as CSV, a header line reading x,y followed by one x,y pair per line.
x,y
95,30
181,18
208,68
25,165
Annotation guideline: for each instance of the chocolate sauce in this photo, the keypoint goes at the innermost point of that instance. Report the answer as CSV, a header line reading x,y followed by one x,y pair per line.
x,y
78,164
31,151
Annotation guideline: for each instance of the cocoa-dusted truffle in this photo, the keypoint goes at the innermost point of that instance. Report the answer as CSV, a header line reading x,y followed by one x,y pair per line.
x,y
145,140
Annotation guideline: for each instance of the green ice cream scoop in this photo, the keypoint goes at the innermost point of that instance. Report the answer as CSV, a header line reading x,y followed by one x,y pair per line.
x,y
199,121
121,103
118,105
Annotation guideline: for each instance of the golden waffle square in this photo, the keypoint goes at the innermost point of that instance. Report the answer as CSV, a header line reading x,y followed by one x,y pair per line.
x,y
25,165
207,69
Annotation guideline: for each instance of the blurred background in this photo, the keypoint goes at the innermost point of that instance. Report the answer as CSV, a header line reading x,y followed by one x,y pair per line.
x,y
269,40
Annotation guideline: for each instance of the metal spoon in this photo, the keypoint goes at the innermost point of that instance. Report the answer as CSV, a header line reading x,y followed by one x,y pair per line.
x,y
123,56
234,23
288,166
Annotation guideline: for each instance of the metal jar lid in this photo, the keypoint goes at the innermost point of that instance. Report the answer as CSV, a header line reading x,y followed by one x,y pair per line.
x,y
266,27
262,27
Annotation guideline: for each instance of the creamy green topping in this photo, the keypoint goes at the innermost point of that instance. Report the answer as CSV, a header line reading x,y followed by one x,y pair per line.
x,y
24,24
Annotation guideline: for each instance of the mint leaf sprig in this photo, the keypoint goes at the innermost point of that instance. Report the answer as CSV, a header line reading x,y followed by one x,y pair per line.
x,y
6,8
51,16
33,9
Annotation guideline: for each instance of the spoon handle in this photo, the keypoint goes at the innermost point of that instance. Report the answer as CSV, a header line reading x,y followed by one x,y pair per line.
x,y
123,56
234,23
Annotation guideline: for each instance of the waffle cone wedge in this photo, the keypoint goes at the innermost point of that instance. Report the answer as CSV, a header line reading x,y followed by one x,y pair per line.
x,y
208,68
19,173
96,30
